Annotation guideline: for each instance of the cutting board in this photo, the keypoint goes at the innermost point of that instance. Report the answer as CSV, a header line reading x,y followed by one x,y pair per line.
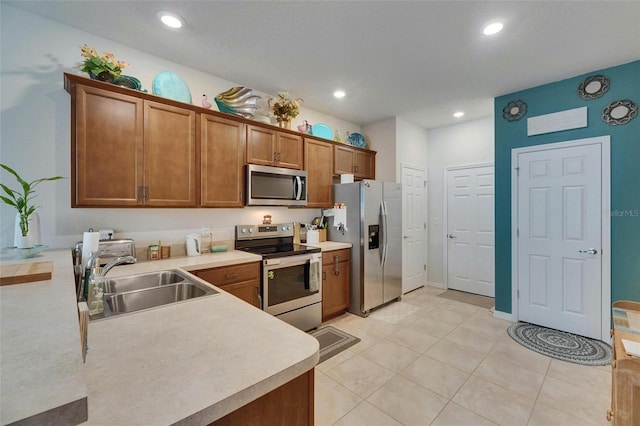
x,y
25,272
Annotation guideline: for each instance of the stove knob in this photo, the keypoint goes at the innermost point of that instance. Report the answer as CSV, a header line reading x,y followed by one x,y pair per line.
x,y
244,230
251,230
288,228
284,228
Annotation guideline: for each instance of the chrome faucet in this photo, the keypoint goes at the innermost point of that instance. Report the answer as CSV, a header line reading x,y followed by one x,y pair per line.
x,y
117,261
90,264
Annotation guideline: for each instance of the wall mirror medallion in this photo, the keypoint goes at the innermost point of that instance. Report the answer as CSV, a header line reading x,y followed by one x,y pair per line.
x,y
593,87
514,110
619,112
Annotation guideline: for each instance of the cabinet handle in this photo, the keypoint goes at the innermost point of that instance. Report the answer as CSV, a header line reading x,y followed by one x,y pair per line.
x,y
230,276
324,276
141,192
259,297
336,271
609,415
146,192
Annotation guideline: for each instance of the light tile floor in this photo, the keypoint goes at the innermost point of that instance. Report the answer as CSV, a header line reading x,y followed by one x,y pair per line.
x,y
433,361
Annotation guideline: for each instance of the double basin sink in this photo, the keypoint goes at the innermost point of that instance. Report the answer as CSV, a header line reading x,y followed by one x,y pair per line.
x,y
133,293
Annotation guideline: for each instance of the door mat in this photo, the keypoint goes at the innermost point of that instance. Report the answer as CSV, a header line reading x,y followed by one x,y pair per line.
x,y
332,341
560,344
469,298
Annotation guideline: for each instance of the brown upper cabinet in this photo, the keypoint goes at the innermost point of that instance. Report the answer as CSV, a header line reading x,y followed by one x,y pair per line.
x,y
270,147
222,161
134,149
131,152
361,163
318,162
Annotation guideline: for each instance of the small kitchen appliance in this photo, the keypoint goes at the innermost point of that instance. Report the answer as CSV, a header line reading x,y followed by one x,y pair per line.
x,y
291,273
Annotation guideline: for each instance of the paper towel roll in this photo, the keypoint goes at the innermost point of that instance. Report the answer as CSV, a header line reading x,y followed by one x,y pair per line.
x,y
90,243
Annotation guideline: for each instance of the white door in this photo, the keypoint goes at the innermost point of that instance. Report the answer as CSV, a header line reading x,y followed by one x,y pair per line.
x,y
413,228
559,238
470,235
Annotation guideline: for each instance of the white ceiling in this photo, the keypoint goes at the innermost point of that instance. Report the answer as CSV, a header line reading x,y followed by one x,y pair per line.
x,y
418,60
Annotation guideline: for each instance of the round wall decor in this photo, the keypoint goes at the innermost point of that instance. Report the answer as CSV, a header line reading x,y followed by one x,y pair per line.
x,y
620,112
514,110
593,87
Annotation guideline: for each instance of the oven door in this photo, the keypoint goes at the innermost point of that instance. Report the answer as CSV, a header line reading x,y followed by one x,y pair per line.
x,y
291,282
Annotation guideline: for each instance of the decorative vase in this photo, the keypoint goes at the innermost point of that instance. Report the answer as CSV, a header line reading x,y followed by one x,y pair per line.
x,y
285,124
103,76
33,236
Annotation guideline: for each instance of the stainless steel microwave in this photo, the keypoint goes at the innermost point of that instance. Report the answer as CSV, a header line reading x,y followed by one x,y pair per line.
x,y
275,186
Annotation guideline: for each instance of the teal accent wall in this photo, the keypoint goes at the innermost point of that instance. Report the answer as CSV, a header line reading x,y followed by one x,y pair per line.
x,y
625,171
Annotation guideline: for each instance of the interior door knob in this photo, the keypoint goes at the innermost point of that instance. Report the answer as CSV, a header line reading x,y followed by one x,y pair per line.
x,y
589,251
451,236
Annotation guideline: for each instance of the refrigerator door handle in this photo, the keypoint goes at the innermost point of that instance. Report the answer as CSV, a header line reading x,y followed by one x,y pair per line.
x,y
384,233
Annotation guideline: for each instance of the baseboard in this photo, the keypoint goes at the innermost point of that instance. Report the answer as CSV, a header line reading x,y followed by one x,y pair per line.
x,y
507,316
435,284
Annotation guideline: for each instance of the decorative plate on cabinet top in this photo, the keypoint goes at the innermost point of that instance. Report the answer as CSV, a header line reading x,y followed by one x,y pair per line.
x,y
128,82
356,139
170,85
322,131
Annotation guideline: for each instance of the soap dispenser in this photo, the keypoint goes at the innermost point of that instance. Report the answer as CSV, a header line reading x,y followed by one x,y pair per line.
x,y
95,290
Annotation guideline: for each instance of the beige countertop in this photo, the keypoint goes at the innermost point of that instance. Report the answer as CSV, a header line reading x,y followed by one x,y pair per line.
x,y
187,363
330,245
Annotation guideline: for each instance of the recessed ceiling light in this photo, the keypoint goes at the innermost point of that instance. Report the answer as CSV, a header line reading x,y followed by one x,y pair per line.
x,y
170,19
458,114
339,94
494,28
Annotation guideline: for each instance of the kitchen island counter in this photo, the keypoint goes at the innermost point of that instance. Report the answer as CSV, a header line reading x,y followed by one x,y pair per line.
x,y
187,363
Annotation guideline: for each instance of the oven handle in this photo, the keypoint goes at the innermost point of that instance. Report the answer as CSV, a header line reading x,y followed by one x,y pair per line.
x,y
293,260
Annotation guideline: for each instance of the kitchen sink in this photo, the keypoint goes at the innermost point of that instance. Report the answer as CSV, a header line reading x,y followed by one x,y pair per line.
x,y
134,293
143,281
155,296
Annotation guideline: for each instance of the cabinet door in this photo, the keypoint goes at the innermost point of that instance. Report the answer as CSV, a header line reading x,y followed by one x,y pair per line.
x,y
336,274
249,291
106,148
261,146
242,281
289,149
222,147
365,165
318,162
169,156
343,160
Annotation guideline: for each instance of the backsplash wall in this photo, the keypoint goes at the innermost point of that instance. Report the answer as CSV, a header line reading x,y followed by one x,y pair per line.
x,y
35,134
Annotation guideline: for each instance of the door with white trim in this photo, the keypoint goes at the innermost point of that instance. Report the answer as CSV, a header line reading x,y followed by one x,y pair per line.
x,y
470,230
413,223
559,238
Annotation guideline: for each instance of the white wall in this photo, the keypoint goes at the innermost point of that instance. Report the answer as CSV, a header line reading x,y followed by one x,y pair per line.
x,y
381,137
411,146
35,134
461,144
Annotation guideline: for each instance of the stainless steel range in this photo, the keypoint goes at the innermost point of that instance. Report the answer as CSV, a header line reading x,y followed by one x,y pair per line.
x,y
291,273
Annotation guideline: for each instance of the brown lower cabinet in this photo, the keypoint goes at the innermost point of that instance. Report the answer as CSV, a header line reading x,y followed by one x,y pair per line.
x,y
336,279
290,404
243,281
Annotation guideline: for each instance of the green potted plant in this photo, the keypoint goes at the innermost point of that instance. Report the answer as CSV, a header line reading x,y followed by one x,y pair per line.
x,y
101,67
21,201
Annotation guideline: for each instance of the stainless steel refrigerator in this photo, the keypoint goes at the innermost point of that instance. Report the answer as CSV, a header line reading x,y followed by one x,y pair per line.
x,y
374,228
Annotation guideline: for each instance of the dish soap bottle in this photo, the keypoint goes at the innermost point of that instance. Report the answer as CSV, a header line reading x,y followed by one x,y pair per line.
x,y
95,290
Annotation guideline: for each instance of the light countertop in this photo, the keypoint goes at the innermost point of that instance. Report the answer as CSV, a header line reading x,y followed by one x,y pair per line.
x,y
330,245
187,363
